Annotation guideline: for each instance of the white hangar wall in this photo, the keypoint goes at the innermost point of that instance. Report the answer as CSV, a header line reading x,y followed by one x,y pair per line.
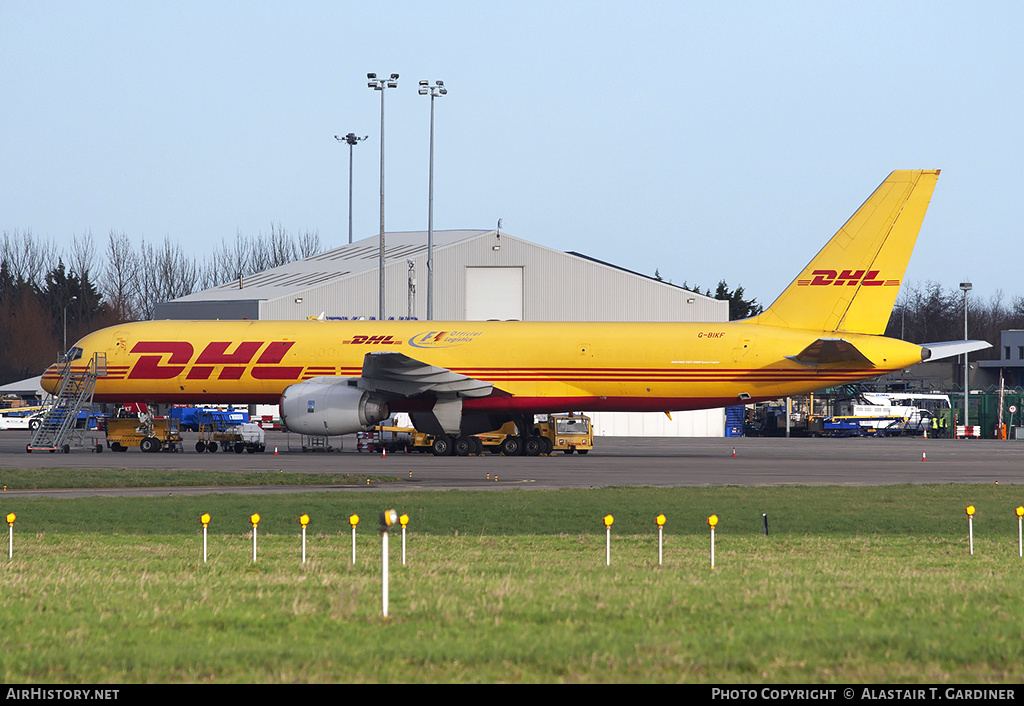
x,y
699,423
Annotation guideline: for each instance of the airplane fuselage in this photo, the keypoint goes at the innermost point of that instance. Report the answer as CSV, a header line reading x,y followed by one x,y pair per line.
x,y
534,367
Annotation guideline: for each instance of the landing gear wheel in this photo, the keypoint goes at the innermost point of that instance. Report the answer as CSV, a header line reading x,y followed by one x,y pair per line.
x,y
477,444
533,446
549,445
463,446
511,446
442,446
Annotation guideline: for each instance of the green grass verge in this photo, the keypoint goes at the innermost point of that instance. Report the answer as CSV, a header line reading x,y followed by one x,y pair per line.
x,y
852,585
50,478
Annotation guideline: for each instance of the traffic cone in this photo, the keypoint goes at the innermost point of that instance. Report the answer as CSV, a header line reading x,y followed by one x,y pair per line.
x,y
926,433
734,452
383,451
924,456
275,452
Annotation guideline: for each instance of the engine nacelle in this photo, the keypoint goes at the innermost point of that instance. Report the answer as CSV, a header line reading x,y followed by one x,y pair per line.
x,y
330,406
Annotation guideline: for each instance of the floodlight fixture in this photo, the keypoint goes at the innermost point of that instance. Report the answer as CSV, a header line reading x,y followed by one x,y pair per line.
x,y
351,140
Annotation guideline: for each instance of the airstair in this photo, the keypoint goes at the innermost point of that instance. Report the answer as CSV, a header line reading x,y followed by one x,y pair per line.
x,y
58,428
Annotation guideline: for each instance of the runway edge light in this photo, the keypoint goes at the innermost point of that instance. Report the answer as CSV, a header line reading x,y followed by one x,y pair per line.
x,y
255,520
660,521
1020,530
205,519
404,520
10,535
353,520
712,521
387,519
970,527
608,520
304,520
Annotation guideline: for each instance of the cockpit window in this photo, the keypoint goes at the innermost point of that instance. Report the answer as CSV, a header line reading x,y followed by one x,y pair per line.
x,y
74,353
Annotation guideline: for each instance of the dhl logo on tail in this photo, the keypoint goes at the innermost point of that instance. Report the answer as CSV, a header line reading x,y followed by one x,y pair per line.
x,y
851,278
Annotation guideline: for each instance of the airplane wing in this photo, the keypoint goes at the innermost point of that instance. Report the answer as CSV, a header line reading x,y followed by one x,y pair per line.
x,y
398,374
830,351
330,405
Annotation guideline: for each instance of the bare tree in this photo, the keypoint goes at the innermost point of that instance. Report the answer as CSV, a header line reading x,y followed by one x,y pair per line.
x,y
309,244
82,259
119,279
28,258
245,256
164,273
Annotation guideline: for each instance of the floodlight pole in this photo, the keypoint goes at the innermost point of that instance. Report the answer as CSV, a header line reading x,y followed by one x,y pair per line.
x,y
434,91
72,299
965,287
351,140
379,85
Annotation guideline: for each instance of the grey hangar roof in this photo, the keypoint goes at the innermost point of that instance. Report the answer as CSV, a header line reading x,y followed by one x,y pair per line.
x,y
478,274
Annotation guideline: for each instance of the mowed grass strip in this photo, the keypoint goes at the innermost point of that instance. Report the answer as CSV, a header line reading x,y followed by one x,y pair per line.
x,y
829,598
915,510
50,478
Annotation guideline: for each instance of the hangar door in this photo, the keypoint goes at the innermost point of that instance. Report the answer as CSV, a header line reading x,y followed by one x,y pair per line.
x,y
494,293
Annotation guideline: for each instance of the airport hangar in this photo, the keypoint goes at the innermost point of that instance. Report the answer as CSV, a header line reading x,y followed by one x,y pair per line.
x,y
479,275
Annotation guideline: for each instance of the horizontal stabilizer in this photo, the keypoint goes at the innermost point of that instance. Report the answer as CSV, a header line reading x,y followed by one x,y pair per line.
x,y
830,351
947,349
386,371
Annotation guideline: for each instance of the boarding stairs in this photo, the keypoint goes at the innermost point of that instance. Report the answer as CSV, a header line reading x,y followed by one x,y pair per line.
x,y
57,428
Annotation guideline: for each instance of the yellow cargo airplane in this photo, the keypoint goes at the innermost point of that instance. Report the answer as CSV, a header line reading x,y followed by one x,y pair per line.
x,y
462,378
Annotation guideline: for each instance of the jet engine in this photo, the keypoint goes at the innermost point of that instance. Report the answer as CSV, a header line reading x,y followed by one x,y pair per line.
x,y
330,406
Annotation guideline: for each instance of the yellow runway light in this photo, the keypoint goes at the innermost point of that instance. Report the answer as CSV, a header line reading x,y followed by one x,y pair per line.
x,y
660,521
10,535
205,519
304,520
970,527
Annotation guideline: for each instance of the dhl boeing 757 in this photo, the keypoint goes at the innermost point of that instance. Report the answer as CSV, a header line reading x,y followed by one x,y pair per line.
x,y
466,377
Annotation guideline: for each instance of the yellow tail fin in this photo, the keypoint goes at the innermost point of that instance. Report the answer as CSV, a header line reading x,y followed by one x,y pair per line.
x,y
851,285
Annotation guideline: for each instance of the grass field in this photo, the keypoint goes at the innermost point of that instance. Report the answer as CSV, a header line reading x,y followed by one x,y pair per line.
x,y
868,584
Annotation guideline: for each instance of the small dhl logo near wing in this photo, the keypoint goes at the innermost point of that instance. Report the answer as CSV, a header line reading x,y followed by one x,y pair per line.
x,y
851,278
178,355
373,341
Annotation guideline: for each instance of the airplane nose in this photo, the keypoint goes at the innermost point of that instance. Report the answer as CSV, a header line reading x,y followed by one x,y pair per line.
x,y
50,378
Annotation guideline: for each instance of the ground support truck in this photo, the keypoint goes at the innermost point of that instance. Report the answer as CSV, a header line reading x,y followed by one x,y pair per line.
x,y
568,433
150,435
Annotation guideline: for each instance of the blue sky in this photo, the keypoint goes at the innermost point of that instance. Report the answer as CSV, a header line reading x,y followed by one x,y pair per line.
x,y
707,140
